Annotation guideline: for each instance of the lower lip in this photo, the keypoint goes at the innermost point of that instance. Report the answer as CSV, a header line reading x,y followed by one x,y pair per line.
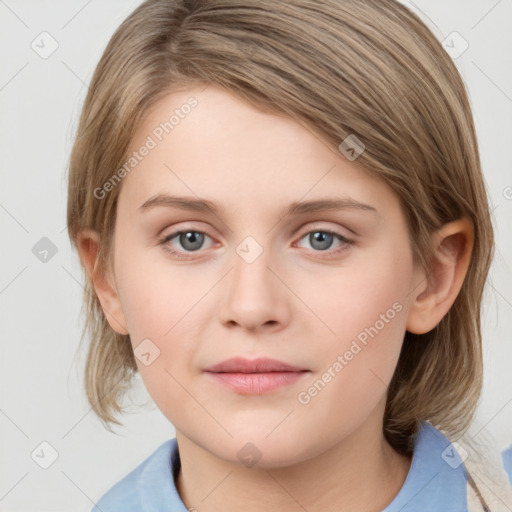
x,y
256,383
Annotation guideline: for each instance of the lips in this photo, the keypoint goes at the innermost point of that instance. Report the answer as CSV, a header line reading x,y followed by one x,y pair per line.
x,y
260,365
254,376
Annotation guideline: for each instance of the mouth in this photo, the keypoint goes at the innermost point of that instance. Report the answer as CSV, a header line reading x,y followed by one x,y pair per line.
x,y
255,377
259,365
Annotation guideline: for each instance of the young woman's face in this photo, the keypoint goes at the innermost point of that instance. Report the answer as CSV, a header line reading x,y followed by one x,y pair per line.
x,y
324,290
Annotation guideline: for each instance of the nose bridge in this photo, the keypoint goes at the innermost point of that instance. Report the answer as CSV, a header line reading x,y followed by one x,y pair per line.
x,y
254,297
251,273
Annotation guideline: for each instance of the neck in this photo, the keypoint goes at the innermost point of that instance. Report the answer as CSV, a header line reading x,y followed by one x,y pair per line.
x,y
362,472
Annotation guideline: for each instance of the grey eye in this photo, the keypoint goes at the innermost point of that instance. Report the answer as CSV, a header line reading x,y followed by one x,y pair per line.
x,y
320,240
191,240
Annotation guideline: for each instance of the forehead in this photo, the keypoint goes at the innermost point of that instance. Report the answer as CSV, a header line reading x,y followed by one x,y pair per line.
x,y
209,143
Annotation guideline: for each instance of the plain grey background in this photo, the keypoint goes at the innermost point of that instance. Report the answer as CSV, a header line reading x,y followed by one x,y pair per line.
x,y
42,398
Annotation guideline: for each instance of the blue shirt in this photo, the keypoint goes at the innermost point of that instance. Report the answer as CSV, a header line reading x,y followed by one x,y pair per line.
x,y
436,480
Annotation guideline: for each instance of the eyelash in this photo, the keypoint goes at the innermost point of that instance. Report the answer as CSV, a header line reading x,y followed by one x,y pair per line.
x,y
179,255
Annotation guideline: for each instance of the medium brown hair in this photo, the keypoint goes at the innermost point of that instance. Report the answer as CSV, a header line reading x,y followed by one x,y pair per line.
x,y
340,67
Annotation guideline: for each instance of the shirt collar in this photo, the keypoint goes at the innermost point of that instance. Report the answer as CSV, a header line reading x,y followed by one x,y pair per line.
x,y
436,479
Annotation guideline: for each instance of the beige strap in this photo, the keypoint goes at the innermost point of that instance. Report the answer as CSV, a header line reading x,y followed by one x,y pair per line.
x,y
488,485
476,502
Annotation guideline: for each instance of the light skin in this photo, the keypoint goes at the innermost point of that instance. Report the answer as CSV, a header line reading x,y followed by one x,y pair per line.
x,y
298,302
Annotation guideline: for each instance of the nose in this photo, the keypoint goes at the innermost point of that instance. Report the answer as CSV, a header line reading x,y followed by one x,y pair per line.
x,y
255,296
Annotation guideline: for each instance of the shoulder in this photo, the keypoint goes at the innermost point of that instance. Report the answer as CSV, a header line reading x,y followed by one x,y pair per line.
x,y
436,479
443,474
506,456
147,486
489,485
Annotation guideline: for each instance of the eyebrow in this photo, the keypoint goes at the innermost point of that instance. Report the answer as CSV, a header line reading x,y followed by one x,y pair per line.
x,y
295,208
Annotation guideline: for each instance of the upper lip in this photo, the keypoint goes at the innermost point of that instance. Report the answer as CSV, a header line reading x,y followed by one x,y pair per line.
x,y
259,365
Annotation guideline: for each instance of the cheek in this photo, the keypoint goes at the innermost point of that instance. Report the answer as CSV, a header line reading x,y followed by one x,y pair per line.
x,y
161,333
353,298
354,371
366,307
154,293
161,304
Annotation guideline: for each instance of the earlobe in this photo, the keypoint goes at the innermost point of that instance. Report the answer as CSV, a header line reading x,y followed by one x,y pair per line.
x,y
438,289
88,246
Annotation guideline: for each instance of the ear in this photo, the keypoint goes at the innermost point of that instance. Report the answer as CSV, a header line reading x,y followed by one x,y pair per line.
x,y
88,245
438,289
